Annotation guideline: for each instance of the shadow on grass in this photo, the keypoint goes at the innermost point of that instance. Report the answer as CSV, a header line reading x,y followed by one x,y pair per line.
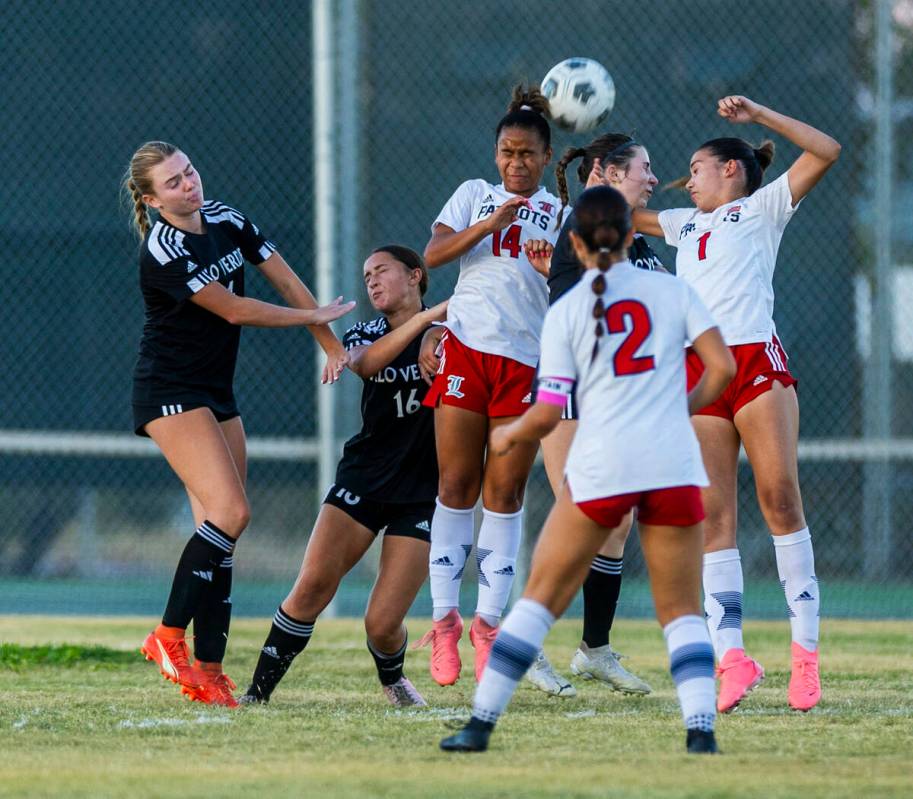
x,y
14,657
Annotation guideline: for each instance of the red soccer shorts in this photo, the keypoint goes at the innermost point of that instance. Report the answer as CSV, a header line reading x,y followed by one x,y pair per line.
x,y
673,507
491,385
758,367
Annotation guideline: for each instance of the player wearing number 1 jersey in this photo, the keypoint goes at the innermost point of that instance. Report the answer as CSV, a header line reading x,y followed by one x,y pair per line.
x,y
490,350
385,483
727,249
634,448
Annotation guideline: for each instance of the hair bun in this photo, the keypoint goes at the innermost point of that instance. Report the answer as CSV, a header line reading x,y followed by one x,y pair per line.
x,y
528,99
765,153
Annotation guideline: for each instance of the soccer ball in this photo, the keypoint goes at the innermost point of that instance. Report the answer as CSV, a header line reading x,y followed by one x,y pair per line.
x,y
580,93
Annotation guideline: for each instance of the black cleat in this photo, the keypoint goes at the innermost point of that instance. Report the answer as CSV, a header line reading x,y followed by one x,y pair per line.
x,y
472,738
701,743
251,698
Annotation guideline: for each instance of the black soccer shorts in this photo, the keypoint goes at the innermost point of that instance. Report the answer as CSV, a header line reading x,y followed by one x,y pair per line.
x,y
409,519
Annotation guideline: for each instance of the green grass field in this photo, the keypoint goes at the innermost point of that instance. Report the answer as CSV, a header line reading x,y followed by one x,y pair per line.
x,y
94,719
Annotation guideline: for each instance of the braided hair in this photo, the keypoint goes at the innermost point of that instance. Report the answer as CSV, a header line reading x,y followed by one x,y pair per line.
x,y
137,181
603,221
610,148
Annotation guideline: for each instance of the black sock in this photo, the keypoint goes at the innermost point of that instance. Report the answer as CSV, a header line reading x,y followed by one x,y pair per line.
x,y
193,578
389,667
476,723
600,598
286,640
213,618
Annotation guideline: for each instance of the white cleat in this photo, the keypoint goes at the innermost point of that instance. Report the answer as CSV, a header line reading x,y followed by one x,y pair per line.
x,y
545,678
403,694
601,663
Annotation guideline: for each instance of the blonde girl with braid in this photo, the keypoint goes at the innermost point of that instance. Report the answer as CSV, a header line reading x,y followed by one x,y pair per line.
x,y
191,260
617,336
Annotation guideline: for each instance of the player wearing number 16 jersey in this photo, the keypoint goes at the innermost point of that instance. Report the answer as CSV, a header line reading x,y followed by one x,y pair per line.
x,y
727,249
490,349
634,448
385,483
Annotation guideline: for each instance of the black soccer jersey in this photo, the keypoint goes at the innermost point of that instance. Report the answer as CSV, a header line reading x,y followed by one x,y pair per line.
x,y
392,458
186,351
566,270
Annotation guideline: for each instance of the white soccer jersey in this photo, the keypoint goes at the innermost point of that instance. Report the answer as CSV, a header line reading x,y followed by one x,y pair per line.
x,y
499,300
634,432
729,256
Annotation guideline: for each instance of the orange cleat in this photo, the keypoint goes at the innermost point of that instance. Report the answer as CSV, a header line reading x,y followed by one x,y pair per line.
x,y
444,637
167,647
805,683
738,674
216,688
483,637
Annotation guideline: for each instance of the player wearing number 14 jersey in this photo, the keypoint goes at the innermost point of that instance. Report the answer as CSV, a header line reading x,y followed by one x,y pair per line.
x,y
385,483
489,352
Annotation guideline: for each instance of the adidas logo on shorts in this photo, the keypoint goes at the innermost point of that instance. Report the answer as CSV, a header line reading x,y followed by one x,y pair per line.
x,y
527,399
507,571
444,561
423,526
759,379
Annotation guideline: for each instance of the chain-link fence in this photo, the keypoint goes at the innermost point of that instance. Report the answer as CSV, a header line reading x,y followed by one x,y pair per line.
x,y
93,519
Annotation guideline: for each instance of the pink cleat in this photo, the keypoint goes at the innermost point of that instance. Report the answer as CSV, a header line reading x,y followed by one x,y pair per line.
x,y
483,637
444,637
804,684
738,674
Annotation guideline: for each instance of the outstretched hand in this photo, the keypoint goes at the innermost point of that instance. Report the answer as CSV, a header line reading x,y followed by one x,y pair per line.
x,y
738,109
500,441
331,312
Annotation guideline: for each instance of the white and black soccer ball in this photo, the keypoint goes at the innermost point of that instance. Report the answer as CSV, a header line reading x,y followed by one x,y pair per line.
x,y
580,92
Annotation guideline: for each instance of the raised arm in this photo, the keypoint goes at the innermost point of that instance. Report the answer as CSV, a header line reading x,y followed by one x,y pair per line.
x,y
820,151
290,287
235,310
448,244
647,222
367,360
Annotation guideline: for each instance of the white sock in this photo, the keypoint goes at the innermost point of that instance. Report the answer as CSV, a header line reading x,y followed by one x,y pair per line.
x,y
691,664
723,586
451,543
496,554
796,567
513,652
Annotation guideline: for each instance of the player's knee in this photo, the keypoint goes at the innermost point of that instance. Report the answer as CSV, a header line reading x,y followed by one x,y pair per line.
x,y
384,633
503,497
782,506
458,490
232,515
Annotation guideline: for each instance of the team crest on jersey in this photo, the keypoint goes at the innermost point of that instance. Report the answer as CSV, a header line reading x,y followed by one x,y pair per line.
x,y
453,386
546,208
733,213
686,229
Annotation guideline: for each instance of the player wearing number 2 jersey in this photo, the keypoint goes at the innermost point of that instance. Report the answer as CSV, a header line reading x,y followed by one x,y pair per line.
x,y
727,250
192,279
634,448
490,349
385,483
